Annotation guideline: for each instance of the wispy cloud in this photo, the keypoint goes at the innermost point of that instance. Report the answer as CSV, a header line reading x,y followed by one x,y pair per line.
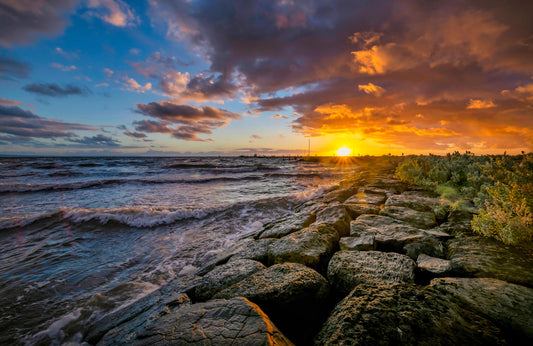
x,y
55,90
114,12
63,67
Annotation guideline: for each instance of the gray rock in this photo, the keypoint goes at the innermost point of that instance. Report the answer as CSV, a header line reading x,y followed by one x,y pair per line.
x,y
348,269
405,315
223,276
379,191
433,266
294,296
485,257
419,202
357,209
289,224
420,219
339,195
508,305
335,216
125,323
254,249
427,245
218,322
388,184
312,247
368,198
390,234
362,243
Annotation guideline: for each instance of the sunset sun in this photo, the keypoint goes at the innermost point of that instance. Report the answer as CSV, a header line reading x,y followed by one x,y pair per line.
x,y
343,151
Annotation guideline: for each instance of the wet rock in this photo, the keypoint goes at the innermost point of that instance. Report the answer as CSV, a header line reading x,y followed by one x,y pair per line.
x,y
348,269
405,315
389,234
339,195
433,266
419,202
362,243
509,306
368,198
292,295
335,216
484,257
289,224
427,245
256,250
379,191
420,219
223,276
218,322
124,324
312,247
357,209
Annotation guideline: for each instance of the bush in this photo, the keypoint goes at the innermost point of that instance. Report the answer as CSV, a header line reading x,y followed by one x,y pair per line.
x,y
501,186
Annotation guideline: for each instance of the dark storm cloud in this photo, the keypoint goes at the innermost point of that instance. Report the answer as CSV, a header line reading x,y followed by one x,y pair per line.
x,y
55,90
410,73
183,121
11,68
96,141
135,134
23,21
21,123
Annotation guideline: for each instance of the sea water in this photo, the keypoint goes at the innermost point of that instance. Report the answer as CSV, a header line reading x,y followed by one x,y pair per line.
x,y
81,237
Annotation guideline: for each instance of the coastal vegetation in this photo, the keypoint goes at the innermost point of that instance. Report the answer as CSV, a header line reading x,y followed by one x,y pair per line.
x,y
501,187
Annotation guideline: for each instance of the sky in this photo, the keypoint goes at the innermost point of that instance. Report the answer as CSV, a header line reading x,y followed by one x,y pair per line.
x,y
268,77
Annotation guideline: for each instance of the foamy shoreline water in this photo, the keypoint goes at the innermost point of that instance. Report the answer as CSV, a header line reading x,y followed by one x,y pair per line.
x,y
89,248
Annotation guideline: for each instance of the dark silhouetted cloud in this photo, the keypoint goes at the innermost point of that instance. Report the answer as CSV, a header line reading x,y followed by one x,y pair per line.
x,y
21,123
23,21
183,121
135,134
96,141
55,90
11,68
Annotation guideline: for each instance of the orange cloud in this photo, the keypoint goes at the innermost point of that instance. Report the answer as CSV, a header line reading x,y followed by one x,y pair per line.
x,y
480,104
371,89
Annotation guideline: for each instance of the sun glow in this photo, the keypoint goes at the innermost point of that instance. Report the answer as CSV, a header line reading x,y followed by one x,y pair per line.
x,y
343,151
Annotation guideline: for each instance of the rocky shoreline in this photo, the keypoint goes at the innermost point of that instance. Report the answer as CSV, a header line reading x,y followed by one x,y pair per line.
x,y
366,263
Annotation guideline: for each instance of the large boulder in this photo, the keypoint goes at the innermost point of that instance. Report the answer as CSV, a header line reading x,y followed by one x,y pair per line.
x,y
291,294
223,276
122,325
339,195
362,243
485,257
432,266
335,216
508,305
312,247
357,209
394,235
288,224
218,322
254,249
368,198
420,219
405,315
348,269
416,201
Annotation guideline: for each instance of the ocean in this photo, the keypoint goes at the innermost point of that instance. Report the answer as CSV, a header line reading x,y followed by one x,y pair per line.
x,y
81,237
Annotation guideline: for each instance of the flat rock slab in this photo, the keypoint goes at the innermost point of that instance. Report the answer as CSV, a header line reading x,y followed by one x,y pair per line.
x,y
419,202
394,235
484,257
510,306
223,276
420,219
312,247
289,224
294,296
368,198
405,315
362,243
348,269
337,217
218,322
433,266
339,195
357,209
